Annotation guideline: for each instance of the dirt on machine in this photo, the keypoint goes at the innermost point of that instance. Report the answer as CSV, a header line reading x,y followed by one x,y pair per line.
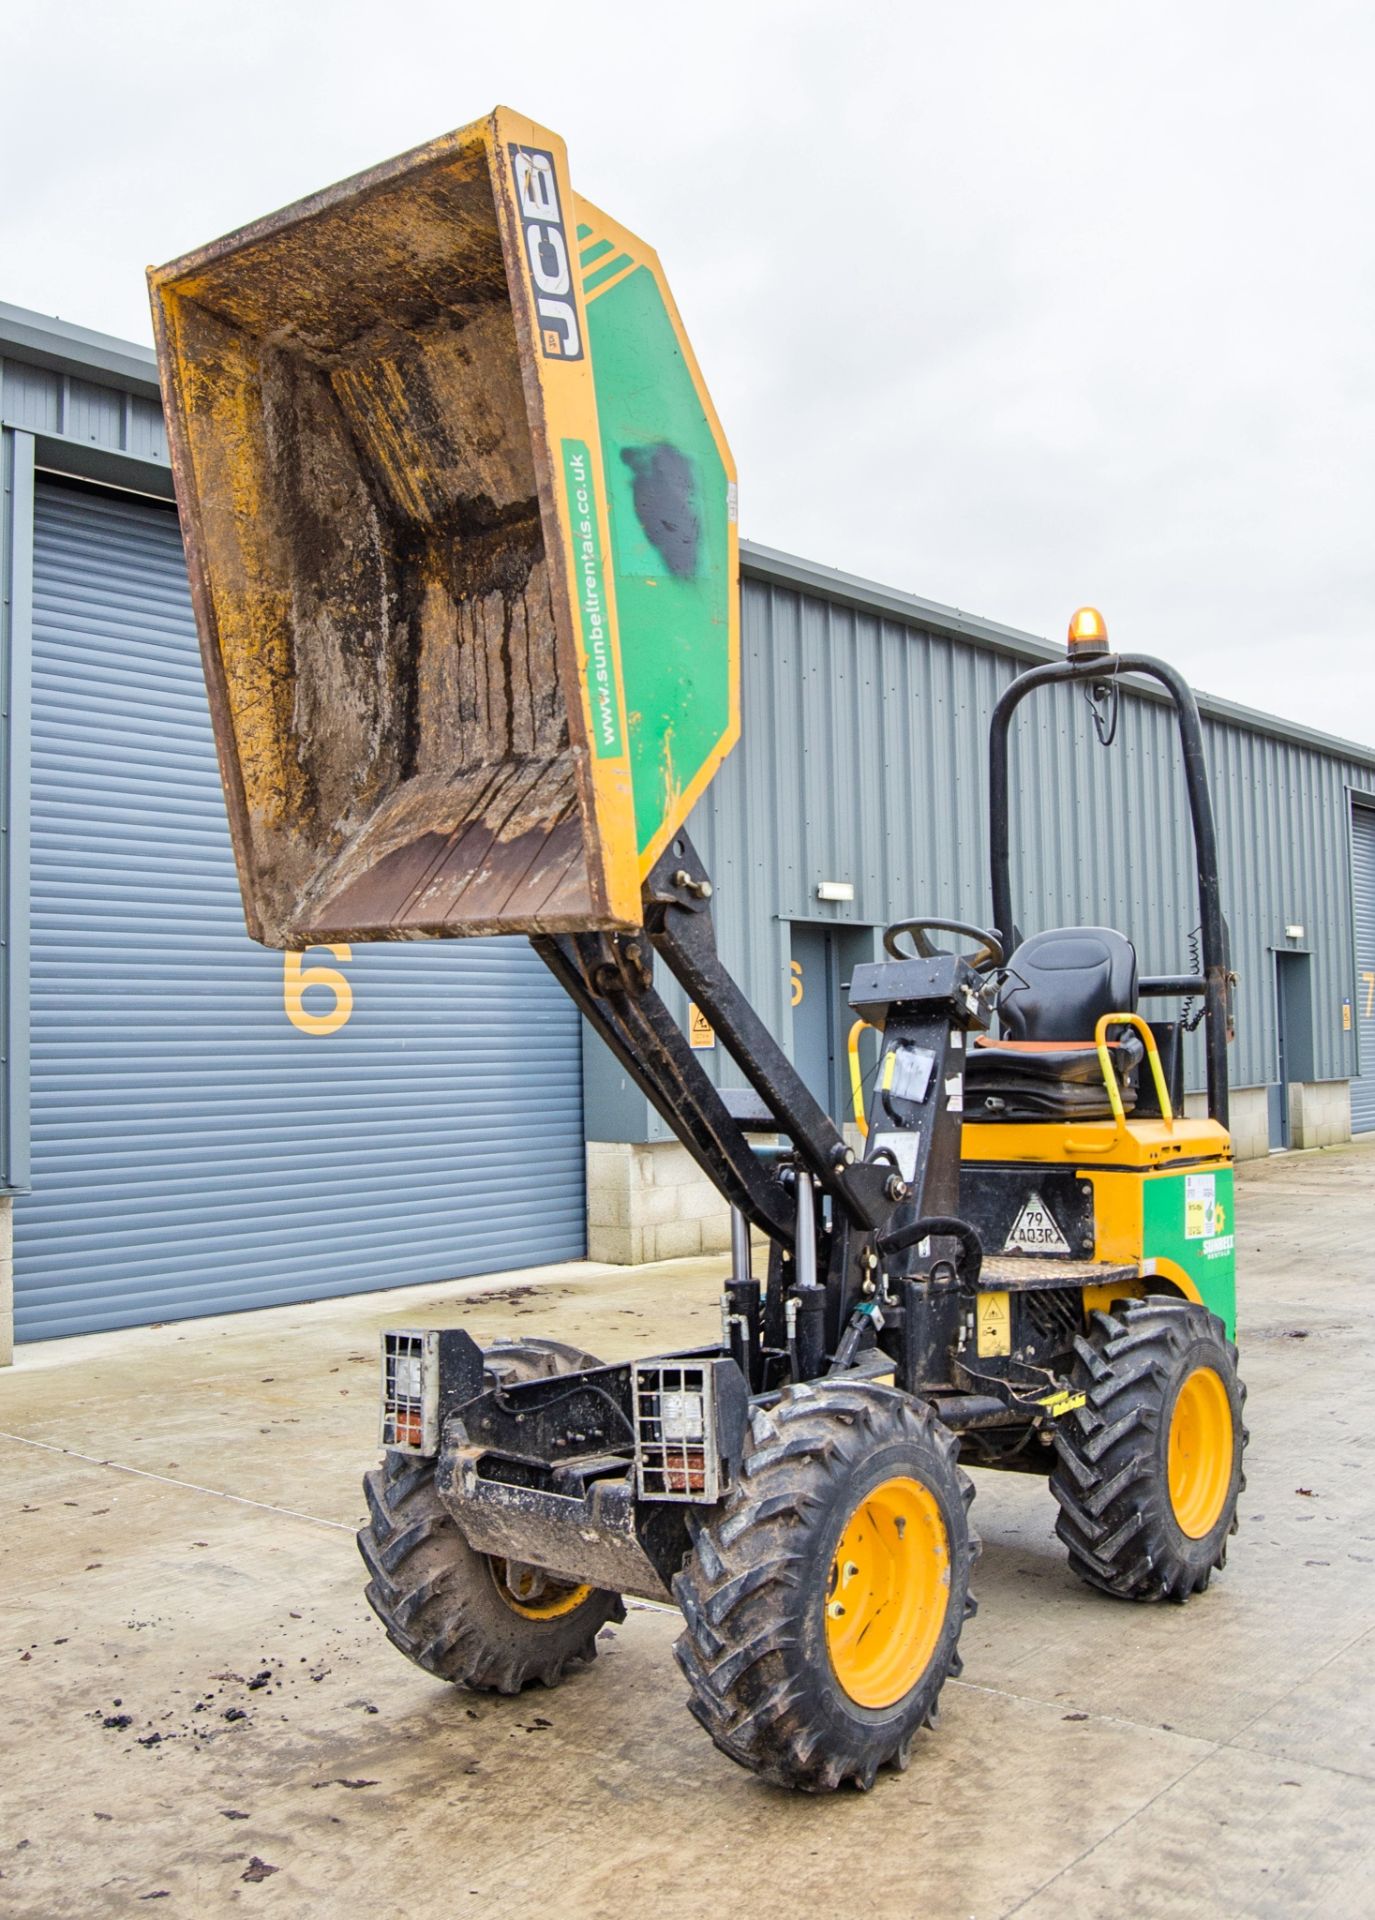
x,y
461,527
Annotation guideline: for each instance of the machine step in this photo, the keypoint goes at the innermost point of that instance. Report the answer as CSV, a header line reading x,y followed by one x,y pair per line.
x,y
1006,1272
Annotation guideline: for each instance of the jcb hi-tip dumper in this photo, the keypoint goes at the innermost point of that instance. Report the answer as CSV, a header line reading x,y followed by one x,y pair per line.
x,y
461,528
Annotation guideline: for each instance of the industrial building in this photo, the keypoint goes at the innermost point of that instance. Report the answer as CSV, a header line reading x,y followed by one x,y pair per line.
x,y
190,1124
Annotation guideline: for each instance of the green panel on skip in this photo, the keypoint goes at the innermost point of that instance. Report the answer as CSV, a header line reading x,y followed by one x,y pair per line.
x,y
670,512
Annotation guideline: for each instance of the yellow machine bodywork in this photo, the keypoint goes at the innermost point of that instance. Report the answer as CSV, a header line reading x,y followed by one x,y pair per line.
x,y
1162,1197
1161,1192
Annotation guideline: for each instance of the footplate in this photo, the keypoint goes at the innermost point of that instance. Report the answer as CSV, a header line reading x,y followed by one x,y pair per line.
x,y
1007,1272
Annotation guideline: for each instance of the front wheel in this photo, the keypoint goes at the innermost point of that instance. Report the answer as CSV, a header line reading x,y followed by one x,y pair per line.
x,y
1149,1469
824,1599
464,1616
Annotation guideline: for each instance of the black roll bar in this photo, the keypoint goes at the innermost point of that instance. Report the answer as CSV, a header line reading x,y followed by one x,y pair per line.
x,y
1214,981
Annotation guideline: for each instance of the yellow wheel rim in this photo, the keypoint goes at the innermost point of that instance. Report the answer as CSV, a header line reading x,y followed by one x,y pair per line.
x,y
888,1592
546,1598
1201,1449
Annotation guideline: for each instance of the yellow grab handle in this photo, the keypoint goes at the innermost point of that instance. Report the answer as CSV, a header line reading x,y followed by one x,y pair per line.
x,y
856,1076
1100,1040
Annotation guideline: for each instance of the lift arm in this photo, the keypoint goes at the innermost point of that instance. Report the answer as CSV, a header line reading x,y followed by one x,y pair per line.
x,y
611,980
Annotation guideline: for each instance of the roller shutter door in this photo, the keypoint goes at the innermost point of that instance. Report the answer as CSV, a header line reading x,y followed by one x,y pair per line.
x,y
193,1151
1363,899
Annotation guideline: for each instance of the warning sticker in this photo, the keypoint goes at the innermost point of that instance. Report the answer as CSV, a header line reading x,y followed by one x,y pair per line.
x,y
1035,1230
1200,1206
994,1325
701,1033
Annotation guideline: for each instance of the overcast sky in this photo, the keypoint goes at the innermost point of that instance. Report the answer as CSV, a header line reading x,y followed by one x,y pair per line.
x,y
1015,305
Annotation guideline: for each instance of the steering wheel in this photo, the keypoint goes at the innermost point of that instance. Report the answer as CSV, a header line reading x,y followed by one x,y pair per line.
x,y
988,954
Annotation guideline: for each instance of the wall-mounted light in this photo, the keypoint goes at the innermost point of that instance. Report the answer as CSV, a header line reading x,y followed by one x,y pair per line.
x,y
1294,932
835,890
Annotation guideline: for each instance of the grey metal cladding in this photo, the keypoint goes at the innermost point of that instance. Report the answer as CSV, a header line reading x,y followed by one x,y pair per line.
x,y
193,1152
92,402
59,404
863,757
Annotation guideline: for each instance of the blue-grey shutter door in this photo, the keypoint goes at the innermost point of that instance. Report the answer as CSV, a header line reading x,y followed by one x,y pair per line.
x,y
1363,901
193,1152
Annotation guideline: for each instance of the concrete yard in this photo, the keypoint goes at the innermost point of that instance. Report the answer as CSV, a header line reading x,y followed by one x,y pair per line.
x,y
193,1683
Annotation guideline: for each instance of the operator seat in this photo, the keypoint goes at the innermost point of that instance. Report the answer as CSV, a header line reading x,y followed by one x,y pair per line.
x,y
1044,1064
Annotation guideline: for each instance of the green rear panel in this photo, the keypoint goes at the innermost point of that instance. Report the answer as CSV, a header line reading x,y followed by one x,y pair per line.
x,y
1187,1217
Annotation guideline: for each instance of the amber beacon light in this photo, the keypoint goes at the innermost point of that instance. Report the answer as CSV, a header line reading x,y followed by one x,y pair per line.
x,y
1088,634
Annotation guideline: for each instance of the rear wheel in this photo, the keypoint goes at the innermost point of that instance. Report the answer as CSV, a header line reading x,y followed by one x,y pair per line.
x,y
468,1617
1149,1469
823,1602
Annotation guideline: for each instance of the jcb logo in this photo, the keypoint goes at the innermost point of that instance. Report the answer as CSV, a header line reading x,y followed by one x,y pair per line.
x,y
546,252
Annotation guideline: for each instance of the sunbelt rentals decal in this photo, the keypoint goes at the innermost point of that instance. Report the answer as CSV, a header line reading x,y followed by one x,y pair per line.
x,y
598,665
1205,1216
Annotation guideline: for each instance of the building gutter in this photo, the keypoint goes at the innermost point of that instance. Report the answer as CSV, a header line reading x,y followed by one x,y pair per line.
x,y
47,342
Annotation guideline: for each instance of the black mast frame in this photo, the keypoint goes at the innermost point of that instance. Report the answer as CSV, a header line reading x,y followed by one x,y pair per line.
x,y
1214,982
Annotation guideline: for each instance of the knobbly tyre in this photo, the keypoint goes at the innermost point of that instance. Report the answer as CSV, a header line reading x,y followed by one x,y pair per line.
x,y
460,521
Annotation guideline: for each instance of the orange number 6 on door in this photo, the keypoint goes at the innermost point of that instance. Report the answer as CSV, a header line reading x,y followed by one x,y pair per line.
x,y
296,978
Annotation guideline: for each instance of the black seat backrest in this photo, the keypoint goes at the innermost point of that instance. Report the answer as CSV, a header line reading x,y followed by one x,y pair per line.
x,y
1061,983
